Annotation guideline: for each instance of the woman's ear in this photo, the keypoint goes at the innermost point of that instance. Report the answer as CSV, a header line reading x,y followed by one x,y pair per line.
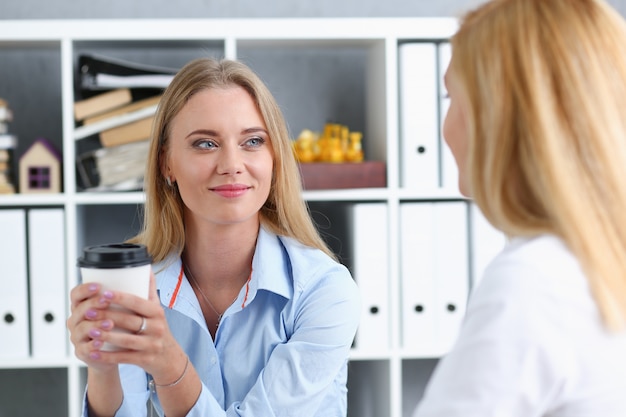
x,y
166,172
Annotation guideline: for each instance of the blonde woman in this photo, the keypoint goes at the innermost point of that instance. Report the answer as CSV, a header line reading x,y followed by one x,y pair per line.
x,y
253,314
538,129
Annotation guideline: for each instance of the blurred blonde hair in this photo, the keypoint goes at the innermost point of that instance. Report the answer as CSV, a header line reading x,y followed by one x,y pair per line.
x,y
284,213
545,87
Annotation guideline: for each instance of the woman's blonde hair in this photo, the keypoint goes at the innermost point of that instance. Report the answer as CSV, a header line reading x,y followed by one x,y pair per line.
x,y
545,87
284,213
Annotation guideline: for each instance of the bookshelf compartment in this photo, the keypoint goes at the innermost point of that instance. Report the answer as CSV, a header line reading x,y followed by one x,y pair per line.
x,y
31,85
166,54
98,224
33,392
415,373
319,82
369,388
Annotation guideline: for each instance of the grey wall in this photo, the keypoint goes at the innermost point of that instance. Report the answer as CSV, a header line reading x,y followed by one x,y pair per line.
x,y
39,9
56,9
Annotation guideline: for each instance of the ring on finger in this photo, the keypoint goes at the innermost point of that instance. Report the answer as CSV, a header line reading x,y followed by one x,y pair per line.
x,y
142,328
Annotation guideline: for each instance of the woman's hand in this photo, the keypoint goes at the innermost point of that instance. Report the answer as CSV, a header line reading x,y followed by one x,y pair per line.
x,y
93,320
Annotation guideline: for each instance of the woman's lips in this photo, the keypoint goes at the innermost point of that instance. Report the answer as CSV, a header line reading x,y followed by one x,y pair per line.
x,y
231,190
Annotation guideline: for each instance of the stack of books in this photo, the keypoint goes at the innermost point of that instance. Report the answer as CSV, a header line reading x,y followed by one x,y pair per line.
x,y
8,142
120,102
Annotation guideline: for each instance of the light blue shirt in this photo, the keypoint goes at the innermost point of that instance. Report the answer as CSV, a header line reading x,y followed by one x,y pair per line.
x,y
281,348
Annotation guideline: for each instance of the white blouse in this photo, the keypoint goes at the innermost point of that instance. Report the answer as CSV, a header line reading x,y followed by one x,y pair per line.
x,y
532,344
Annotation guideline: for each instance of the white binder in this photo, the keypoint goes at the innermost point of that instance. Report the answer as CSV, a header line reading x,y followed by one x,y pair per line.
x,y
14,294
453,280
434,275
487,242
418,111
46,246
370,270
448,167
417,272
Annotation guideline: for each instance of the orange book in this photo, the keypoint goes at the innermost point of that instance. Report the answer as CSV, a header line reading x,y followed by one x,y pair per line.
x,y
136,105
127,133
101,103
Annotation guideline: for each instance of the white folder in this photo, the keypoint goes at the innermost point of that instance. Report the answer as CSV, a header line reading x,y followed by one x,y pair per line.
x,y
453,277
418,111
46,246
487,242
434,275
417,273
14,294
449,170
370,270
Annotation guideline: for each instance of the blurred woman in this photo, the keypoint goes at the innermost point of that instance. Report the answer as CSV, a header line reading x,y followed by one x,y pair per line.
x,y
536,124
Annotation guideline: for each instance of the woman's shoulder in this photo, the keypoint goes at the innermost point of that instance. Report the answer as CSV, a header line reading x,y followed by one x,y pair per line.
x,y
311,266
543,261
539,282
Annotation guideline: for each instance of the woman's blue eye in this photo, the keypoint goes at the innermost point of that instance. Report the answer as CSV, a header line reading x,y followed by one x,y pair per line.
x,y
205,144
255,141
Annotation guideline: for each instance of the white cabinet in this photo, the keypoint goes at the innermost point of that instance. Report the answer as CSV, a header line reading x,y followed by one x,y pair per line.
x,y
320,70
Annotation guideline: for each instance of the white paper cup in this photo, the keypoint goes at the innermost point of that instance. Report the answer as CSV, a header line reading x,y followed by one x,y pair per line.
x,y
117,267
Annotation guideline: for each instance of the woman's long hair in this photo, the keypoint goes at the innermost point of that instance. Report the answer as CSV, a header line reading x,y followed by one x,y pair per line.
x,y
284,213
545,84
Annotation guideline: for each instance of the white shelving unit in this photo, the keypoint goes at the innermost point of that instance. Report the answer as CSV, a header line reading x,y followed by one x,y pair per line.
x,y
382,382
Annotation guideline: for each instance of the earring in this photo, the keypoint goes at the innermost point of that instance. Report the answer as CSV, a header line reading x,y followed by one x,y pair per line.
x,y
168,181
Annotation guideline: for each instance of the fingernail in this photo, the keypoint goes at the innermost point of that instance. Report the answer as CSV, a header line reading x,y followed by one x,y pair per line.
x,y
95,333
107,324
94,355
108,295
91,314
93,287
97,344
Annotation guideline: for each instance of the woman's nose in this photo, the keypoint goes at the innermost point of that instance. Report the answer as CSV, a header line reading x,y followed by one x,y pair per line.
x,y
230,160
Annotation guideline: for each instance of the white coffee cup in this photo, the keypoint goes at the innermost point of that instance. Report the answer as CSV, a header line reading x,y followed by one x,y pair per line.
x,y
121,267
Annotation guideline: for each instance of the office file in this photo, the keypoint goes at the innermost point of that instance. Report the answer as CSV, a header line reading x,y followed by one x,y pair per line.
x,y
14,294
418,113
447,165
46,246
434,272
453,275
417,272
487,242
370,270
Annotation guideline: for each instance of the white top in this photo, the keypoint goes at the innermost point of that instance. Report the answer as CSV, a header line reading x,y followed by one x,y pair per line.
x,y
532,344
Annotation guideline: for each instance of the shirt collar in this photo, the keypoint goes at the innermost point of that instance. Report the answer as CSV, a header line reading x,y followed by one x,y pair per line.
x,y
271,271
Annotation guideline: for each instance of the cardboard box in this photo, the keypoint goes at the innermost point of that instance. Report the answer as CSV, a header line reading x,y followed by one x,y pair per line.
x,y
330,176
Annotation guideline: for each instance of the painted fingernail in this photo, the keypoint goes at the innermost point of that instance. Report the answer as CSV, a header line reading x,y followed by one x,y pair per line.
x,y
91,314
93,287
107,324
95,333
108,295
97,344
94,355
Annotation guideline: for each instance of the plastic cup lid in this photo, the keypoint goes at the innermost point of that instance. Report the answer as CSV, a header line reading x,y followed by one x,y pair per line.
x,y
114,255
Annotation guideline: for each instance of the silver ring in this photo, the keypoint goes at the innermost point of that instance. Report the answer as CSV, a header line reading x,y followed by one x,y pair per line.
x,y
143,326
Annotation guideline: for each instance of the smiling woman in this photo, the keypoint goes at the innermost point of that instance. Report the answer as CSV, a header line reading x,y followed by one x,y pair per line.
x,y
250,314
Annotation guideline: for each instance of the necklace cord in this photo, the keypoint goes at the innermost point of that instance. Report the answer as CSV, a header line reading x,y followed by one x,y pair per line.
x,y
194,282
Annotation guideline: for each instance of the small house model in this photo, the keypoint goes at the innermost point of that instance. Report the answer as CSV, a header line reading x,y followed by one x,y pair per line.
x,y
40,169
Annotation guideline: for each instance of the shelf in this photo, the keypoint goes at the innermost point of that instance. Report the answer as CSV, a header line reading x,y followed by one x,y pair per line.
x,y
342,70
21,200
